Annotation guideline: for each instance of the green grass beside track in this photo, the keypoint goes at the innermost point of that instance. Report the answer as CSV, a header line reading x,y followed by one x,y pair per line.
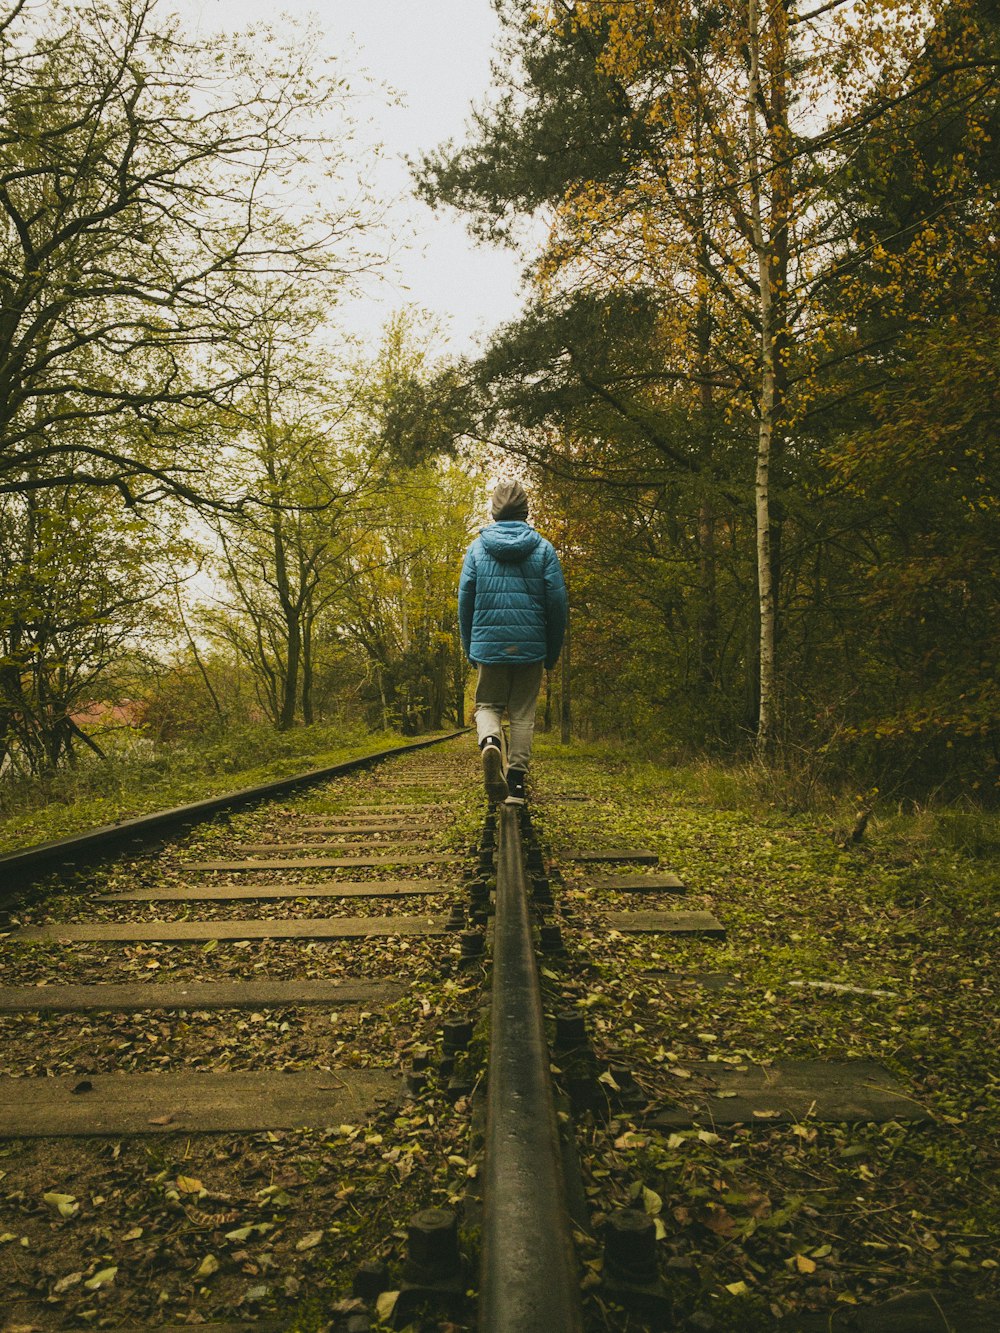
x,y
773,1221
138,779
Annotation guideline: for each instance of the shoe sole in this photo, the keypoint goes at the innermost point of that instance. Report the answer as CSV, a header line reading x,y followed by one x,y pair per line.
x,y
496,787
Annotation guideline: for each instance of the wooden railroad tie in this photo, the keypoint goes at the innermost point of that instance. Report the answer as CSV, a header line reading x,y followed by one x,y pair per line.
x,y
138,996
376,888
306,928
233,1102
326,862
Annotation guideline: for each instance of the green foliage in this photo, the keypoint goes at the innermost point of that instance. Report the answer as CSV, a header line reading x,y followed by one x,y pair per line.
x,y
555,120
155,281
79,587
630,384
907,918
399,606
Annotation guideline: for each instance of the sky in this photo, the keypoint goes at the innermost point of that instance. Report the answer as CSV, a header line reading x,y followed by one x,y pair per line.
x,y
436,54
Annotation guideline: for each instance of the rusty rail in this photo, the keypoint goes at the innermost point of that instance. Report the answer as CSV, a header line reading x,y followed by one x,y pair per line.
x,y
528,1278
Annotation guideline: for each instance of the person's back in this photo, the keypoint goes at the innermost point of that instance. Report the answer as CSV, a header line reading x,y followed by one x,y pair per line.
x,y
512,616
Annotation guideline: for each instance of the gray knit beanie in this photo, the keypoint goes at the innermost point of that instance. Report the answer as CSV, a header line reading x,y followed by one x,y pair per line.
x,y
509,501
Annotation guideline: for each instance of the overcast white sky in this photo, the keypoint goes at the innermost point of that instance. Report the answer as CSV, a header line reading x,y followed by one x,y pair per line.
x,y
436,54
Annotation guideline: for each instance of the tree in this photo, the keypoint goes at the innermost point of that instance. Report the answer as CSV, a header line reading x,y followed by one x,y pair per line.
x,y
700,155
80,586
144,201
400,606
293,443
143,173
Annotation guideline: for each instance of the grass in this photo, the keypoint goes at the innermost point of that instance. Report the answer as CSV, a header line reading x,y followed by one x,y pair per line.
x,y
770,1223
137,778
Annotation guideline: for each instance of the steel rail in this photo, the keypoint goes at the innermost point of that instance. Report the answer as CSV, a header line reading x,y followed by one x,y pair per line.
x,y
528,1275
80,850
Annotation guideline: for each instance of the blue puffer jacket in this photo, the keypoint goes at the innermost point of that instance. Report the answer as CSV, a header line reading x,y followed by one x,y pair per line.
x,y
512,597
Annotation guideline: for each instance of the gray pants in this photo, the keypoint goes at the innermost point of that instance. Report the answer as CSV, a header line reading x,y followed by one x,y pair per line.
x,y
514,688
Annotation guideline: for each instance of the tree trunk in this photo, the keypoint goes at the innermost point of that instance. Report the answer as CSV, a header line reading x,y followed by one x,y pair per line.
x,y
289,686
308,716
206,681
382,698
459,676
708,616
566,710
771,249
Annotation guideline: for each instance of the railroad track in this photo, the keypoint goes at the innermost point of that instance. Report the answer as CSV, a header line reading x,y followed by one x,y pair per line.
x,y
374,1053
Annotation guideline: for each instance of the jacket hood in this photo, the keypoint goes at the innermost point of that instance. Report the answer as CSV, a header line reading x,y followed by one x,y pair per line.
x,y
510,540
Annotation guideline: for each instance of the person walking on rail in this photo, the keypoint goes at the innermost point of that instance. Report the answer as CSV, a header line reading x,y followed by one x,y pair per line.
x,y
512,616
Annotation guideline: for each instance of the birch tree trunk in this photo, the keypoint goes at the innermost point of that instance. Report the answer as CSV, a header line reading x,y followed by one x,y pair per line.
x,y
565,701
769,217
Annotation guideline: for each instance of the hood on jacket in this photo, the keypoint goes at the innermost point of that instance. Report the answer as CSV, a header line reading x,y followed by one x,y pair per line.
x,y
510,540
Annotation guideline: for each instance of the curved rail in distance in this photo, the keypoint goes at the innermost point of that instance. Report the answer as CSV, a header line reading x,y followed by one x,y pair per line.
x,y
18,869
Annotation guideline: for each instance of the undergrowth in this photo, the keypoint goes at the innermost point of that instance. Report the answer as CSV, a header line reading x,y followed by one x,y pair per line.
x,y
880,948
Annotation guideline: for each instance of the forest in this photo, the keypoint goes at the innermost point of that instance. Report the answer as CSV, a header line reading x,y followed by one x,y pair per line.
x,y
752,391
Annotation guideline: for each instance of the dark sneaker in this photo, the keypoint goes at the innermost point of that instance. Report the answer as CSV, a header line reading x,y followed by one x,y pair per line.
x,y
515,785
496,788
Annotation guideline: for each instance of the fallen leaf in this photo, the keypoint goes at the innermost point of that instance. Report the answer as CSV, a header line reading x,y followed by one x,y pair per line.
x,y
804,1264
103,1278
208,1266
64,1283
64,1204
737,1288
309,1241
190,1185
276,1196
385,1304
651,1202
244,1233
